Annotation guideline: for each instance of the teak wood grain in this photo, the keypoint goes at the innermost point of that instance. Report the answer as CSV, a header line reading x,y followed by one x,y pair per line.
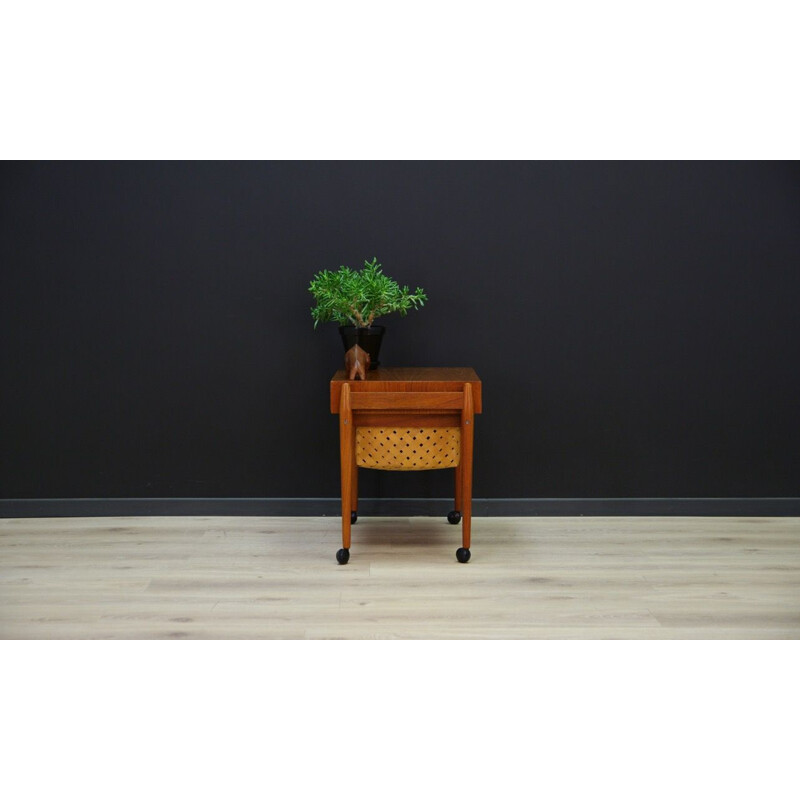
x,y
411,379
396,401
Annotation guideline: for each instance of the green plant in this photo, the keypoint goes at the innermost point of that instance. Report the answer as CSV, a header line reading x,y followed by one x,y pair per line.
x,y
352,297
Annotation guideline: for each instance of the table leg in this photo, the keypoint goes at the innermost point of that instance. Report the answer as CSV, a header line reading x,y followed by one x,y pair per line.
x,y
346,455
467,425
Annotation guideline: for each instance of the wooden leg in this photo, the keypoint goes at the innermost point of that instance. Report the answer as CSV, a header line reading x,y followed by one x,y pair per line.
x,y
346,456
467,425
466,506
347,476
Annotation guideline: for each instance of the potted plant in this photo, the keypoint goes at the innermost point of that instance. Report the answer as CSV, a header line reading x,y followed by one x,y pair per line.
x,y
355,299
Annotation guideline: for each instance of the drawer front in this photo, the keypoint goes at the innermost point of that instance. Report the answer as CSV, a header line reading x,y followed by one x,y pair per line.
x,y
405,448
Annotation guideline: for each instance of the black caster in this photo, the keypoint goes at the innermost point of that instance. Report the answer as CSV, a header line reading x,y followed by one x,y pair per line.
x,y
353,517
454,517
343,555
463,554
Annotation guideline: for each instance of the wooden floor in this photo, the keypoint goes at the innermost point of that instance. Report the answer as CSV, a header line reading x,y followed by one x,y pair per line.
x,y
277,578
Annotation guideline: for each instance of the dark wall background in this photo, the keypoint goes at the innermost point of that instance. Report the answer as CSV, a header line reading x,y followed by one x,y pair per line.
x,y
636,325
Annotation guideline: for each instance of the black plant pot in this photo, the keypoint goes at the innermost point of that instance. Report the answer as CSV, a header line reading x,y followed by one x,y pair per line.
x,y
368,339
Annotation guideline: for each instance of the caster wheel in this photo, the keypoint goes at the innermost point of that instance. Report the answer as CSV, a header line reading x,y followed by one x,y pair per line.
x,y
353,517
343,556
463,554
454,517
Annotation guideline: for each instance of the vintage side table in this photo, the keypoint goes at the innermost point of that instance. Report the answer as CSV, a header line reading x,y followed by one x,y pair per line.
x,y
405,418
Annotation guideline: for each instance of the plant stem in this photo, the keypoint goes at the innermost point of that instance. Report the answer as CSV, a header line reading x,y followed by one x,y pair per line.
x,y
359,321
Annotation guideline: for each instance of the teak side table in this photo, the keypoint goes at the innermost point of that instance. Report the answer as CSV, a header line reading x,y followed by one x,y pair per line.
x,y
407,418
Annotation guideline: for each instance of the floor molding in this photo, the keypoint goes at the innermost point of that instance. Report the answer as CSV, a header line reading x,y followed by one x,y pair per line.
x,y
401,506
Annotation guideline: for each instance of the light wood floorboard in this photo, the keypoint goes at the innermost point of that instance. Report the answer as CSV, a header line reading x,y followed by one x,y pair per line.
x,y
277,578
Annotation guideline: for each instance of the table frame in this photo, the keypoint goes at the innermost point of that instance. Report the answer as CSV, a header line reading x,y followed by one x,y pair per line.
x,y
423,397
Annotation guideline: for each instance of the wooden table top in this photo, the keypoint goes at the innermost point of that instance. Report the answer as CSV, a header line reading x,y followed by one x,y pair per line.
x,y
410,379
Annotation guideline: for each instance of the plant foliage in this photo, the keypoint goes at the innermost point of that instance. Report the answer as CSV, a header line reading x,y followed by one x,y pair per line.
x,y
357,298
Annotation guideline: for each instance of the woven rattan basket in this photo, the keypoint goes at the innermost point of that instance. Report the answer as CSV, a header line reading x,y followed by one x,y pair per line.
x,y
408,448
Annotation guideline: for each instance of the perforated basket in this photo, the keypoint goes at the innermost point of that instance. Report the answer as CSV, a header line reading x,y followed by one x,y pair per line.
x,y
408,448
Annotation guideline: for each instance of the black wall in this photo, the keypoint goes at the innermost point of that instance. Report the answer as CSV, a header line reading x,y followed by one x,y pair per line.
x,y
636,325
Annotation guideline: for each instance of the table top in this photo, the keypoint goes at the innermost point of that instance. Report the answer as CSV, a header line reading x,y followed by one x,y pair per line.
x,y
410,379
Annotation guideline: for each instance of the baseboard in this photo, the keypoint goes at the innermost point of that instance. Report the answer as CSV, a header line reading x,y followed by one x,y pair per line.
x,y
403,506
